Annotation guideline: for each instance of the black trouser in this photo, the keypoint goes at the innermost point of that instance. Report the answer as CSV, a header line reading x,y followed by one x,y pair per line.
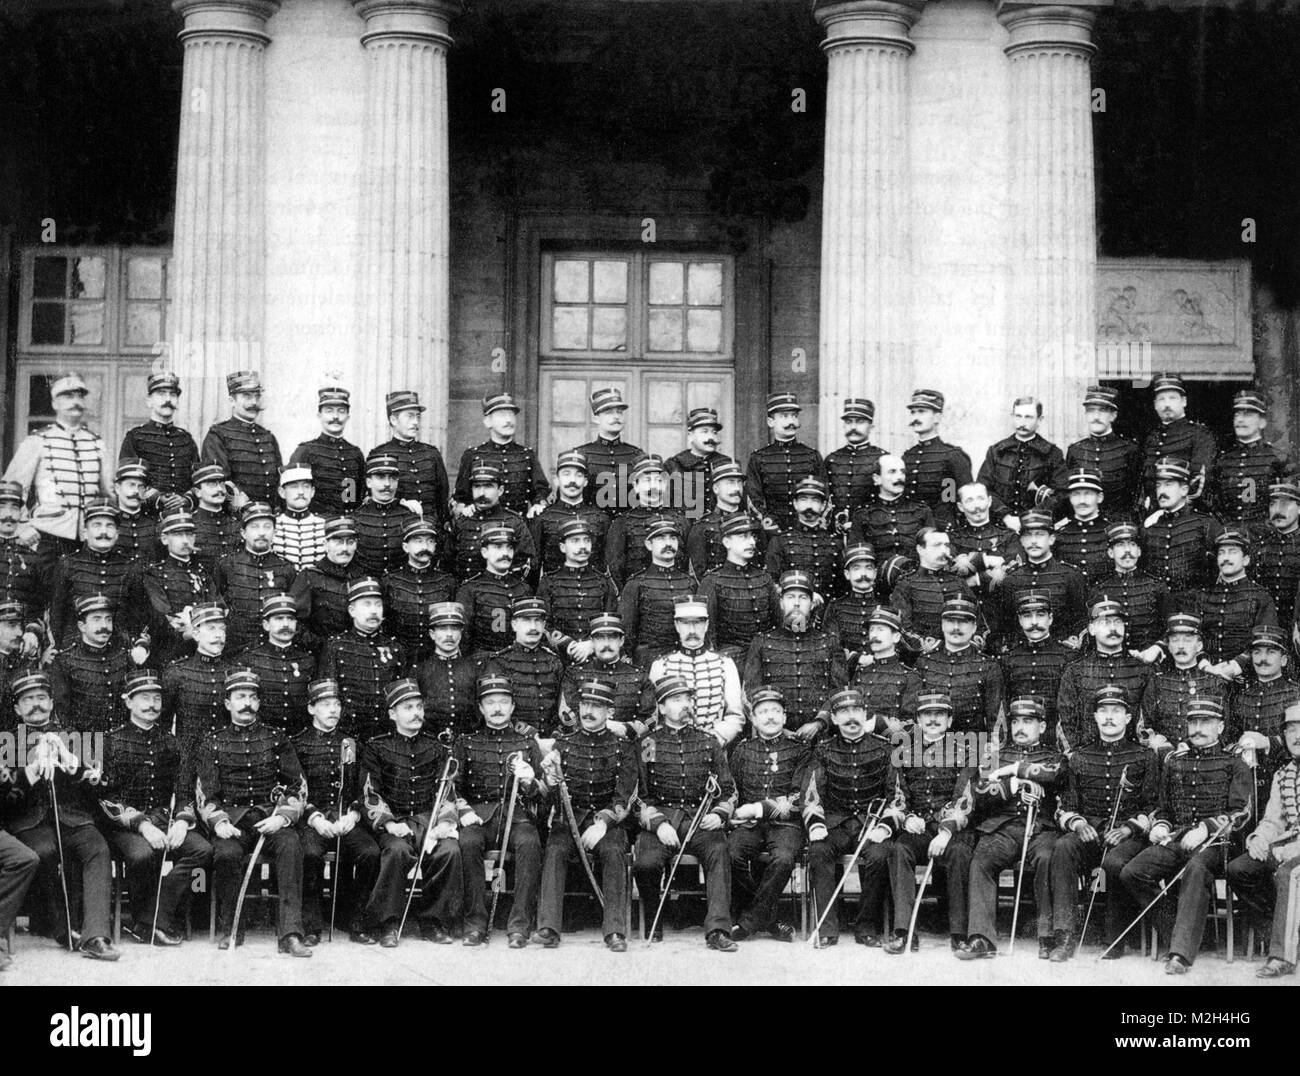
x,y
354,875
525,853
999,851
710,848
1154,864
439,897
229,861
873,874
1072,858
142,867
89,878
755,888
18,867
609,861
1262,887
953,866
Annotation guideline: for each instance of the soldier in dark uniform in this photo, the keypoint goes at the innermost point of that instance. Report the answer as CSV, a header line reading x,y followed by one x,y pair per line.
x,y
486,511
770,770
936,470
489,596
12,659
299,529
599,770
647,599
850,469
242,447
137,520
1029,772
1179,542
919,596
1117,459
363,661
1257,708
677,761
1176,436
490,763
1237,488
1081,537
30,817
247,578
574,592
174,585
1202,789
889,688
194,695
90,676
18,577
718,703
18,867
1046,574
532,669
571,483
216,526
152,815
412,589
850,770
1143,598
626,552
1024,470
400,774
1109,662
320,591
983,547
1109,773
704,548
250,786
609,458
447,677
807,544
741,597
971,679
524,487
168,451
283,668
613,667
330,817
690,485
891,523
776,468
1276,564
1231,607
1037,661
1180,680
422,485
97,568
337,465
846,616
381,518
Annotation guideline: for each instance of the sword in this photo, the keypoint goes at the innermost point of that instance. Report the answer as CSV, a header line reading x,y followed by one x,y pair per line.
x,y
711,788
276,793
916,904
567,804
1030,816
875,809
162,868
347,754
1114,816
449,769
499,871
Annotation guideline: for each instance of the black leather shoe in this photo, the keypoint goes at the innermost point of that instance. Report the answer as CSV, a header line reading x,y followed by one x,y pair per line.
x,y
871,941
979,946
61,940
1275,968
436,934
739,933
546,938
292,945
657,935
362,937
165,938
1064,948
956,941
1176,965
517,941
827,940
898,943
474,938
616,943
721,941
782,932
311,938
388,938
1046,946
99,949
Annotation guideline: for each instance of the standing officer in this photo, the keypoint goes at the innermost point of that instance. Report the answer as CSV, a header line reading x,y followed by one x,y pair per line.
x,y
381,519
411,590
971,679
776,468
168,451
1277,556
715,684
704,546
524,488
887,686
692,492
626,551
1241,475
740,596
891,522
422,485
18,578
1045,573
137,519
97,568
1081,537
247,578
448,677
849,469
1023,470
299,530
1143,598
194,691
1036,664
1183,678
848,615
486,512
1177,435
320,591
1117,459
1179,542
90,676
807,544
489,596
608,457
532,669
649,597
363,661
216,525
174,585
1232,605
569,505
613,667
337,465
936,470
284,668
574,592
1109,662
242,447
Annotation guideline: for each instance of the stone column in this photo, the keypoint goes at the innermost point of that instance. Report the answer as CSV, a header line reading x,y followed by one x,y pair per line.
x,y
1051,352
865,263
219,257
403,285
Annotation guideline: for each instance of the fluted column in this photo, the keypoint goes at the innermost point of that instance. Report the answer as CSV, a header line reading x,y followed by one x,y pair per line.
x,y
219,257
865,264
1052,320
404,285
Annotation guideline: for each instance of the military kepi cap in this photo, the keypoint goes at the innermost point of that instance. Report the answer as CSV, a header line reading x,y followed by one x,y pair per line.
x,y
599,692
668,686
144,680
766,694
1027,706
446,615
929,399
277,605
933,700
242,679
1268,635
243,381
319,690
29,680
494,685
1110,695
402,400
400,690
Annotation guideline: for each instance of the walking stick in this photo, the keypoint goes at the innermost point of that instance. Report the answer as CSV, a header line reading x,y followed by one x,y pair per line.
x,y
1114,816
916,904
874,810
58,839
162,867
566,803
347,754
499,870
1030,817
449,769
711,789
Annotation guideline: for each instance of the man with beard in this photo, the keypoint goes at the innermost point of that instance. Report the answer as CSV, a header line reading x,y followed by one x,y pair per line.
x,y
1081,537
489,596
770,772
29,793
363,661
216,526
1035,664
608,457
137,522
194,686
1179,542
776,468
337,465
174,585
247,578
283,668
891,523
486,510
422,482
626,550
692,492
168,451
1180,680
152,814
524,488
613,667
320,591
599,770
241,446
1023,470
1277,549
89,677
448,678
1108,663
740,596
569,505
381,518
413,589
1176,436
1117,459
1202,789
18,578
1044,573
920,596
1240,477
1108,774
809,545
704,547
99,569
299,531
251,786
713,679
804,662
575,592
1231,607
648,598
532,669
971,680
851,468
846,617
494,763
936,470
982,548
1143,598
889,688
1259,706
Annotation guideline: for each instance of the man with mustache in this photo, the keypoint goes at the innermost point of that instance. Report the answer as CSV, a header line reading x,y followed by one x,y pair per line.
x,y
1183,678
851,467
241,446
1176,436
695,464
489,596
174,585
1041,571
648,598
251,785
12,659
137,520
1035,664
1242,472
245,579
626,552
422,485
1117,459
448,677
18,578
363,661
29,816
89,677
613,667
1179,542
704,546
338,466
936,470
847,616
982,546
524,488
1144,598
486,510
320,591
890,524
1257,707
740,596
1231,607
569,504
99,567
283,668
533,670
413,589
299,531
971,679
889,688
194,692
808,544
715,683
151,813
608,457
381,518
1108,663
1024,470
775,469
575,593
169,452
1081,537
920,596
1277,557
216,524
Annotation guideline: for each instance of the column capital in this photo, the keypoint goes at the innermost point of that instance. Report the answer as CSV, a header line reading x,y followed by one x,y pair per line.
x,y
226,18
868,22
408,20
1064,26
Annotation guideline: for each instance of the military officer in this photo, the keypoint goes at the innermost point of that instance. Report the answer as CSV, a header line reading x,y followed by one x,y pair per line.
x,y
89,677
320,591
486,511
741,598
776,469
524,484
412,589
299,529
1107,663
919,596
245,450
1242,472
983,547
1037,661
848,615
1117,459
626,552
381,518
850,468
168,451
936,470
448,677
98,567
889,688
1257,707
892,521
1183,678
1045,573
174,585
608,457
245,579
533,669
18,576
569,505
690,488
1232,605
704,546
489,596
718,705
194,686
1025,469
1081,540
363,661
613,667
422,483
1276,563
1179,541
283,668
1143,598
338,466
1177,435
137,519
971,679
648,598
575,592
807,544
216,524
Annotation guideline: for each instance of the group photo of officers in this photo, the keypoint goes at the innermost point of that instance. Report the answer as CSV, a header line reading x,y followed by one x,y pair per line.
x,y
412,695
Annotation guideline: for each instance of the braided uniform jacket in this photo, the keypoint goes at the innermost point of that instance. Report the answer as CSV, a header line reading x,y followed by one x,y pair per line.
x,y
889,687
1180,548
1092,782
1282,811
989,537
363,664
1259,706
773,472
29,805
1119,462
62,469
249,453
890,527
399,780
573,596
675,766
338,471
626,677
408,593
1183,438
600,770
845,777
846,617
1175,688
609,464
465,554
769,770
717,705
321,594
10,664
320,754
807,666
18,579
523,482
168,451
423,477
137,537
194,697
484,775
694,490
1229,612
1275,565
850,473
171,585
244,580
88,682
936,470
299,537
1239,478
742,601
449,688
815,550
249,770
1082,678
86,573
704,548
930,789
1202,785
1063,584
487,599
1036,669
995,804
534,676
379,536
971,680
1082,544
646,606
625,549
285,672
216,535
546,527
1011,466
919,598
1145,600
142,769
